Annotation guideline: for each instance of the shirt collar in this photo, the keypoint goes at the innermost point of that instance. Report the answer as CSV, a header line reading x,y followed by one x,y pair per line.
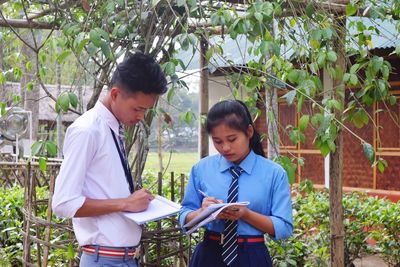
x,y
247,164
107,116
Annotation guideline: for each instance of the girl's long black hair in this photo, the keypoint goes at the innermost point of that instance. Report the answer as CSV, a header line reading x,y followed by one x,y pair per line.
x,y
236,115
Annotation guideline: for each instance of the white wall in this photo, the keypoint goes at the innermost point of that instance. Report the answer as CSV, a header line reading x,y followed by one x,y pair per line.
x,y
219,90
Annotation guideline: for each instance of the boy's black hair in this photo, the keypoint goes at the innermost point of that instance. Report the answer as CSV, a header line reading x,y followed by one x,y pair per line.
x,y
236,115
139,73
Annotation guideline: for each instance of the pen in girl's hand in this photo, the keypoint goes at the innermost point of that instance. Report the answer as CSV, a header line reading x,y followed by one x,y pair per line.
x,y
202,193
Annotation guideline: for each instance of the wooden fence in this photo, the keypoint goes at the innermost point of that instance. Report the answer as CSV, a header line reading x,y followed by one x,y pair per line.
x,y
50,241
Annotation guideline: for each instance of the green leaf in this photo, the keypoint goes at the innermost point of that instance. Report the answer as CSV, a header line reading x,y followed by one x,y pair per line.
x,y
316,119
70,252
73,99
63,102
289,167
95,38
360,118
62,56
170,94
259,17
369,152
294,136
346,77
293,22
354,68
353,79
28,66
398,50
105,48
264,48
29,86
325,150
321,59
2,109
310,10
377,63
36,147
290,97
17,73
392,100
42,164
187,117
381,167
252,83
81,45
327,33
331,56
381,164
350,9
303,122
3,79
293,76
51,148
169,68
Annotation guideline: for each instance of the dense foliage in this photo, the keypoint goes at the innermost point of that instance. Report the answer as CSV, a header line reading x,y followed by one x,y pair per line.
x,y
366,218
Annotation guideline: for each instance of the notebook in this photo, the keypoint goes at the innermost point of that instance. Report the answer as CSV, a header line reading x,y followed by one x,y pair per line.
x,y
210,214
159,208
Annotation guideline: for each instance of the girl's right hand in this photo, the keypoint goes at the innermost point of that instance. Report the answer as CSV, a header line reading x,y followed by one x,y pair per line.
x,y
209,200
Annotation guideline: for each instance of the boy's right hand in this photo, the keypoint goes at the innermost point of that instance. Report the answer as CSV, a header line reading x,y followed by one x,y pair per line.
x,y
138,200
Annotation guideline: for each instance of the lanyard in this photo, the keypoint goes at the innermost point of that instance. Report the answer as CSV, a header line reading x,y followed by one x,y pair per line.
x,y
124,163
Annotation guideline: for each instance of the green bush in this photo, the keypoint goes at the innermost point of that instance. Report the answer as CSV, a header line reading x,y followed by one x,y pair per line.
x,y
386,230
365,217
11,223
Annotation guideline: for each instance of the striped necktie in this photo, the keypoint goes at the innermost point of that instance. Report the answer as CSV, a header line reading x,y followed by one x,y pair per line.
x,y
121,141
230,245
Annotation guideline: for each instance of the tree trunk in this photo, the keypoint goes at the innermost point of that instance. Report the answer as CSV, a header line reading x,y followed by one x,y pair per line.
x,y
30,100
272,122
159,142
203,96
3,93
336,159
59,116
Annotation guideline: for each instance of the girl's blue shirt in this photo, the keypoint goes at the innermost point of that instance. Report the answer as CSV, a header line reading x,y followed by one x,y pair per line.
x,y
263,183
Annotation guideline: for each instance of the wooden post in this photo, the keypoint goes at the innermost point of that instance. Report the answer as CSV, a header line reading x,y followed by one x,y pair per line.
x,y
203,95
27,216
336,159
172,186
158,233
47,230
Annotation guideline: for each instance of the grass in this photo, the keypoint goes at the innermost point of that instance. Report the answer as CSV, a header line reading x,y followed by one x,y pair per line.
x,y
181,162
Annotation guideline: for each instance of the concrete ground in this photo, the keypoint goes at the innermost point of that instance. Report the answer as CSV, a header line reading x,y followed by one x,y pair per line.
x,y
370,261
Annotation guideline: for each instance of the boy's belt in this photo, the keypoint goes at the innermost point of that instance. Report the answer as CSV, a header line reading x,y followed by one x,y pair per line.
x,y
240,239
110,251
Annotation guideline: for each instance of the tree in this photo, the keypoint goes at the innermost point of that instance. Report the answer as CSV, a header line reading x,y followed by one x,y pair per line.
x,y
316,37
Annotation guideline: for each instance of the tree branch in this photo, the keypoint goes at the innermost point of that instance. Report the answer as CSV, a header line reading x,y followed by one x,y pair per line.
x,y
20,23
65,5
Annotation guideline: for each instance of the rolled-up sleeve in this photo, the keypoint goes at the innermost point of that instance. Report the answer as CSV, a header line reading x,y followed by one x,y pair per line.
x,y
281,210
192,200
78,153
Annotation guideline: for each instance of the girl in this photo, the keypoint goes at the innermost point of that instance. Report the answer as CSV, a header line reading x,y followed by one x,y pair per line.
x,y
240,172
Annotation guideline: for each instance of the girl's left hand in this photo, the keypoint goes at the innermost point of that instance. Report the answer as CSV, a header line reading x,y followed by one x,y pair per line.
x,y
233,213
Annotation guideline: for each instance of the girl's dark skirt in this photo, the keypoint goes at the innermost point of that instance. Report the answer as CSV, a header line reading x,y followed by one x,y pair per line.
x,y
208,254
